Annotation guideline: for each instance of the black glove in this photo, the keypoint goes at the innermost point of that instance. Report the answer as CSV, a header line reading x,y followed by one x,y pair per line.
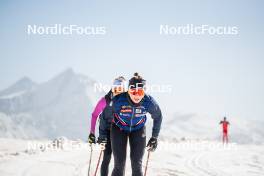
x,y
91,138
152,144
101,140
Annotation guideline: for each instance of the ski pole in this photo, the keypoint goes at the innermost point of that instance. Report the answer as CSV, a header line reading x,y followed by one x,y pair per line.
x,y
98,162
146,167
90,160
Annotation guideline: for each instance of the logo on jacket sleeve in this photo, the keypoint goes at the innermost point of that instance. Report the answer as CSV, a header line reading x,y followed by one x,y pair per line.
x,y
138,111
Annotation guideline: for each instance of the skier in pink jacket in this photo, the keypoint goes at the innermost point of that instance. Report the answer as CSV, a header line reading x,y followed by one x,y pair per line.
x,y
117,88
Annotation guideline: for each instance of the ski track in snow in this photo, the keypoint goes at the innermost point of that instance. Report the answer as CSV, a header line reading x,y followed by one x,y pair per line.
x,y
245,161
201,165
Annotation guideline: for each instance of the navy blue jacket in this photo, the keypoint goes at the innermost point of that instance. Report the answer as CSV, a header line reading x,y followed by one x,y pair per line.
x,y
129,116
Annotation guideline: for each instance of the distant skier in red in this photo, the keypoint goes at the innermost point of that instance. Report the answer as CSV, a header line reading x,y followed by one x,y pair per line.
x,y
225,125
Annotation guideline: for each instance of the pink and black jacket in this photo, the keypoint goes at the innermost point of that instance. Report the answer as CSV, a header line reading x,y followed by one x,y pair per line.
x,y
100,106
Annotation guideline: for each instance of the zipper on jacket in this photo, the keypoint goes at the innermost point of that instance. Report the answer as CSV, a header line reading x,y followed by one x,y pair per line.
x,y
132,119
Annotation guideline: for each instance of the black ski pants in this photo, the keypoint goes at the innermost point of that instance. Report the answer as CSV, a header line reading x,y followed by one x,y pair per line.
x,y
137,142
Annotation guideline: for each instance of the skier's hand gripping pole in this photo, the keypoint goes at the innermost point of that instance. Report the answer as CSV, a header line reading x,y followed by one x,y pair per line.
x,y
152,144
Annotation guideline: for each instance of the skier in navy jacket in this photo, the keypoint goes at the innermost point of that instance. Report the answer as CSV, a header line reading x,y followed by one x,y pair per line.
x,y
126,118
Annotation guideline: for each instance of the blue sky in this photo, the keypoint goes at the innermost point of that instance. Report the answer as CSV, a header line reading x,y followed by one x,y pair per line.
x,y
210,75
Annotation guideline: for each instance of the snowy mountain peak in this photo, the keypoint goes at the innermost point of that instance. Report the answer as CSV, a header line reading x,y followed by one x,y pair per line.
x,y
59,106
67,72
22,85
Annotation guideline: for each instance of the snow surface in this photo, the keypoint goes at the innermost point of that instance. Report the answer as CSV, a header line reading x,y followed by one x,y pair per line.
x,y
242,160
